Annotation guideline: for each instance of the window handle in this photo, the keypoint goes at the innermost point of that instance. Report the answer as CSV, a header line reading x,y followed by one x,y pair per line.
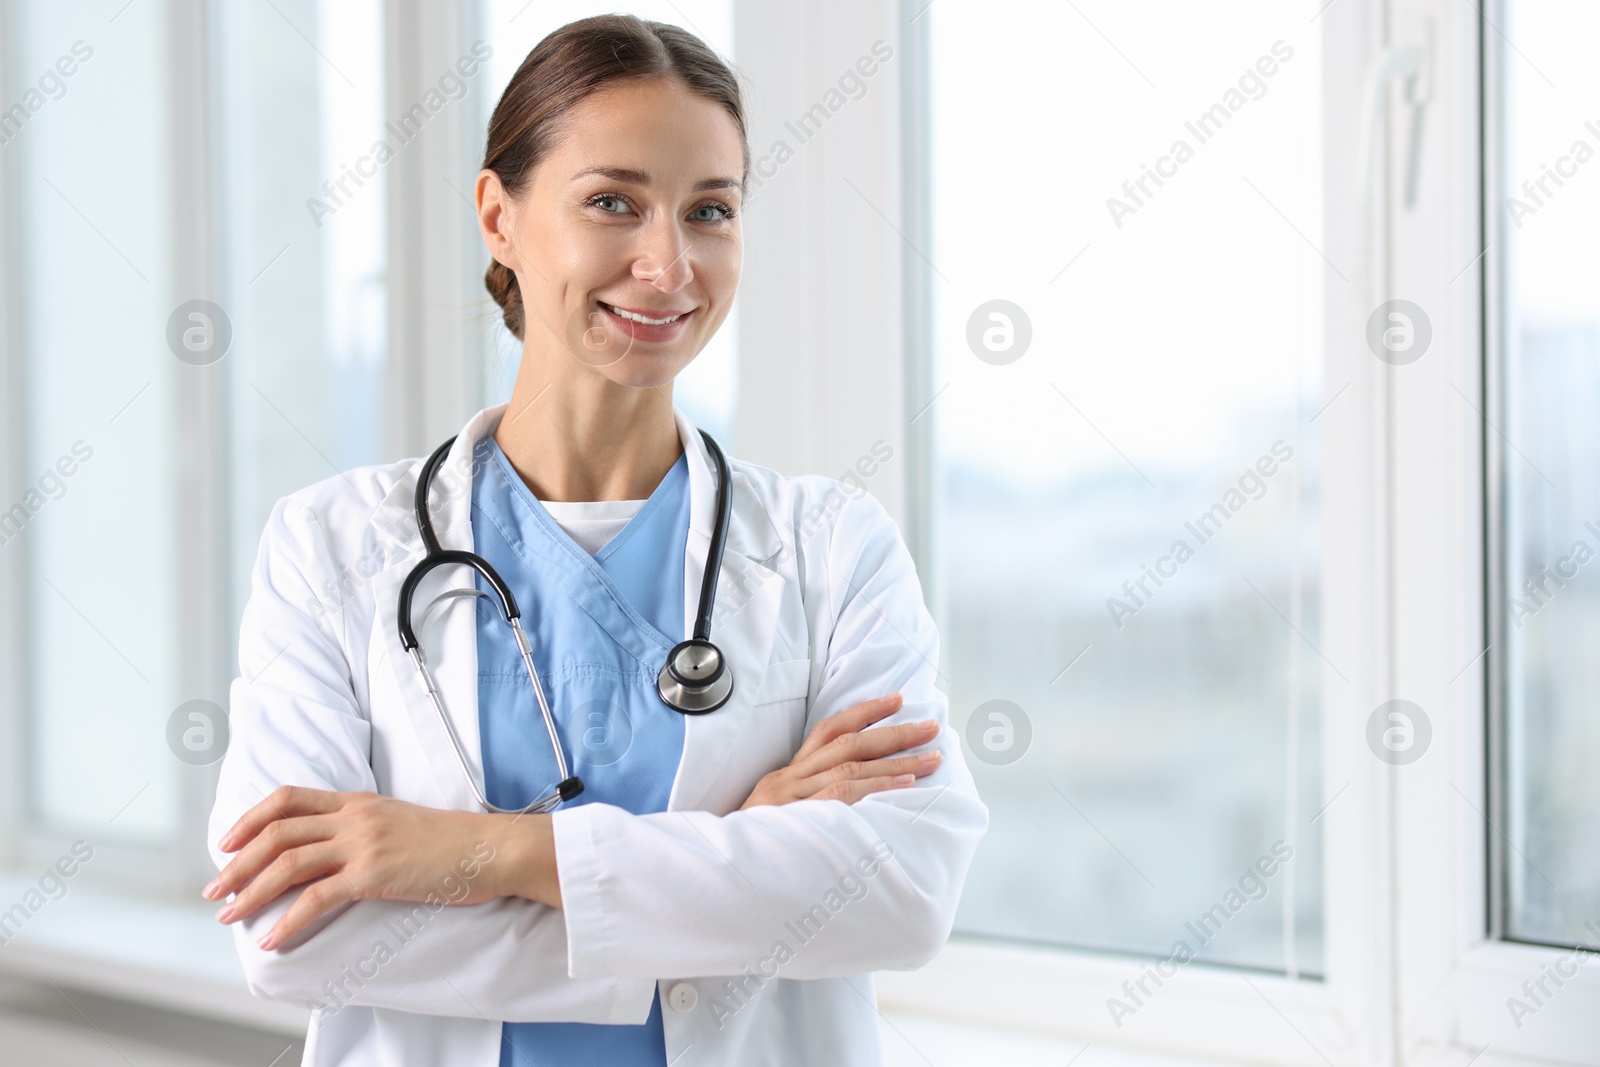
x,y
1414,64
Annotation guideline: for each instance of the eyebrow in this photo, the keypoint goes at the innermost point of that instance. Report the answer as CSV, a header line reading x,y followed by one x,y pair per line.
x,y
639,177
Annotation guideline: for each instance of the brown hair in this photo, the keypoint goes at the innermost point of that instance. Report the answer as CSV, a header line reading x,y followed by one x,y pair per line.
x,y
564,68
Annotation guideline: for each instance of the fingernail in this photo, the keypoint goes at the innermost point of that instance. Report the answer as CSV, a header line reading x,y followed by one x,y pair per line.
x,y
890,698
210,891
904,779
226,843
928,759
266,942
929,724
225,913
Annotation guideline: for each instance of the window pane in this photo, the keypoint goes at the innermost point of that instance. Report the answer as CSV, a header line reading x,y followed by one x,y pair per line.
x,y
91,156
1127,216
707,388
301,203
1551,468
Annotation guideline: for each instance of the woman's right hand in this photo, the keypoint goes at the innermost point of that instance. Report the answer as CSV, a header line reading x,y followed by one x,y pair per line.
x,y
842,760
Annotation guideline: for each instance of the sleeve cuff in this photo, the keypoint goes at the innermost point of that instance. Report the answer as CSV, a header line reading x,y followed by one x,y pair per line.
x,y
583,888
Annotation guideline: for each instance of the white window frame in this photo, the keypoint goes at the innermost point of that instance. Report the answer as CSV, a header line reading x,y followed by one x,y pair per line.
x,y
429,378
1411,972
13,480
168,950
1453,465
204,652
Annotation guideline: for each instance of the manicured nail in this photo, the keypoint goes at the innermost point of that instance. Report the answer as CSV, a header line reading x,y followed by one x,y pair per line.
x,y
929,724
928,759
267,942
224,913
226,843
210,891
904,779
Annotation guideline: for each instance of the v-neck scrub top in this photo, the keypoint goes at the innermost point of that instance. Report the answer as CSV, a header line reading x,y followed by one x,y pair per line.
x,y
601,626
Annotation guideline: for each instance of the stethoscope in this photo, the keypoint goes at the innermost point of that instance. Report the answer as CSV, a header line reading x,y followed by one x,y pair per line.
x,y
696,678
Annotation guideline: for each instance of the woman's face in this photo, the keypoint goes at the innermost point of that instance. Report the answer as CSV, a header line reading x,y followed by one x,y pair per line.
x,y
625,241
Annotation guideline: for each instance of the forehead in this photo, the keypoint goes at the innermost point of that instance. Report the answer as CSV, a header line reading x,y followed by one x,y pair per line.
x,y
658,126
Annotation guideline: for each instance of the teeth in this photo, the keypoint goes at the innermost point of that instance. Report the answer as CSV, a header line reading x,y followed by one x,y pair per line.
x,y
632,317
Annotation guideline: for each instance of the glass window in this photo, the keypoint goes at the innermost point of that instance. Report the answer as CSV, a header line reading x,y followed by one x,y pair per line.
x,y
88,134
1127,317
707,388
1549,462
303,141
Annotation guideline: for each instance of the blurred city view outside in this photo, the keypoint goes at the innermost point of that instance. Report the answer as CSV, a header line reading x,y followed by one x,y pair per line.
x,y
1167,394
1548,289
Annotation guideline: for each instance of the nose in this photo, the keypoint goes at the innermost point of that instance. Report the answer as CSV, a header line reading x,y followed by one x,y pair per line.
x,y
664,261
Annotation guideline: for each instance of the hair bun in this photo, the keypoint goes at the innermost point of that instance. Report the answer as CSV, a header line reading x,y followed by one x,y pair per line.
x,y
501,282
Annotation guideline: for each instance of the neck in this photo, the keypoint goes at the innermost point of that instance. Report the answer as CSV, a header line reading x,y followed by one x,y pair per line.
x,y
572,434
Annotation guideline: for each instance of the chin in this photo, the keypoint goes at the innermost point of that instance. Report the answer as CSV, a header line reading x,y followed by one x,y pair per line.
x,y
644,373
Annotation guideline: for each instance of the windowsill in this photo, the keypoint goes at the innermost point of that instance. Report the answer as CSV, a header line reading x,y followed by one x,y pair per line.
x,y
916,1041
177,957
162,953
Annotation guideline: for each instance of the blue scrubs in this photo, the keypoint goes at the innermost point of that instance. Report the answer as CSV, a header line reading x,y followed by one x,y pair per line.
x,y
601,627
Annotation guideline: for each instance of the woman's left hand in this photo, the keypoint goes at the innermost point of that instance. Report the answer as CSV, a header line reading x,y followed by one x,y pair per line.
x,y
358,846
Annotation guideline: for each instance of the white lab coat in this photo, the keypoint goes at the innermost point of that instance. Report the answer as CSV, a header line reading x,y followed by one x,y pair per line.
x,y
818,607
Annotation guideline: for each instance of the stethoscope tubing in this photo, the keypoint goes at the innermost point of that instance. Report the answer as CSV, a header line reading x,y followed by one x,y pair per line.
x,y
719,540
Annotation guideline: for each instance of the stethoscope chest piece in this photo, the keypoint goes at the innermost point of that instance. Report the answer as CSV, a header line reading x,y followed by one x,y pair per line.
x,y
695,679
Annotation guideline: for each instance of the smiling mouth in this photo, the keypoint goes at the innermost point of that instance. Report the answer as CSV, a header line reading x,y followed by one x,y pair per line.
x,y
642,319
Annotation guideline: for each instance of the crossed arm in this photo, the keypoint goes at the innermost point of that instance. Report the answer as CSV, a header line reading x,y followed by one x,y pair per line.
x,y
349,846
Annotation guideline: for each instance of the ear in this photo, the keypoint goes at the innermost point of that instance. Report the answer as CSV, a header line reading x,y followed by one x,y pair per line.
x,y
495,218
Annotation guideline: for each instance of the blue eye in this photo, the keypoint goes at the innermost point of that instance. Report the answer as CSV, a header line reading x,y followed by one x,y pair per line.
x,y
609,203
727,211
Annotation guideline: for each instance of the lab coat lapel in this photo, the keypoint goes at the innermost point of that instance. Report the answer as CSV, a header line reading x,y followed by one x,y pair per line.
x,y
448,634
743,619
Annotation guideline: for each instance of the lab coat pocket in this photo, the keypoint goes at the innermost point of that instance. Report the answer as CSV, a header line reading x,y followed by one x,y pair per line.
x,y
788,679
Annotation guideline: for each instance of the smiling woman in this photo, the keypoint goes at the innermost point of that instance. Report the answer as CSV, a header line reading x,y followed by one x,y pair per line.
x,y
609,197
591,519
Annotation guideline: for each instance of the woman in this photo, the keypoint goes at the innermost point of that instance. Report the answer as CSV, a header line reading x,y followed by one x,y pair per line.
x,y
725,881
